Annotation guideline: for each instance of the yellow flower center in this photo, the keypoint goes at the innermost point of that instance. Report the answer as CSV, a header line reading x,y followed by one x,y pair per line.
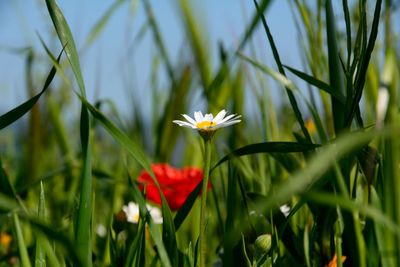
x,y
205,124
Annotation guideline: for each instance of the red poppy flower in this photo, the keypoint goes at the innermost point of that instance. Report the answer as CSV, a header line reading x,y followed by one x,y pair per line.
x,y
176,184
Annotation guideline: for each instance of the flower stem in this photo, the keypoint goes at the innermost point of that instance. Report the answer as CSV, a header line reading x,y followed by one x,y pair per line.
x,y
207,159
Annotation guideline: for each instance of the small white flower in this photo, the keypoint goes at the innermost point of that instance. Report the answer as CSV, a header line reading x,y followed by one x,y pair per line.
x,y
101,230
208,123
285,209
381,106
133,214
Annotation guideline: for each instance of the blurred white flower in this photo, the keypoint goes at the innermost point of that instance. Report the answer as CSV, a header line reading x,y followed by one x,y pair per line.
x,y
133,214
381,106
208,122
101,230
285,209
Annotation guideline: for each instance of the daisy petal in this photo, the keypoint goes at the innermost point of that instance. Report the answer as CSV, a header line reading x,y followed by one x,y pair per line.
x,y
227,123
189,119
198,116
208,117
219,116
227,118
184,124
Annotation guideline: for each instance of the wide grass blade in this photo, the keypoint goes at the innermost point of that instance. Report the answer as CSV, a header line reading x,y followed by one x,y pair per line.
x,y
66,39
335,70
84,214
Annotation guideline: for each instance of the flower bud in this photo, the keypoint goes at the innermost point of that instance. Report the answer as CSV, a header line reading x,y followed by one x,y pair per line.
x,y
262,244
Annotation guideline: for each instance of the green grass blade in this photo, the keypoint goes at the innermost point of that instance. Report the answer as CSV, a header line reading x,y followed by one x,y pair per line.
x,y
275,75
84,217
5,186
16,113
23,252
66,39
159,41
317,83
136,248
198,45
253,24
348,32
347,204
291,97
335,69
267,147
96,30
362,72
155,233
40,258
6,203
183,212
137,154
320,163
277,150
60,239
84,214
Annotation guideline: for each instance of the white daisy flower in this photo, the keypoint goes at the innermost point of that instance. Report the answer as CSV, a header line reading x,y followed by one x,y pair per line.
x,y
208,124
133,214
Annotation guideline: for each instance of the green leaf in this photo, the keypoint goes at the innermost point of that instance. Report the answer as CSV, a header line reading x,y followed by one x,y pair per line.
x,y
275,53
6,203
140,157
66,39
102,22
84,213
187,206
335,70
40,257
5,185
253,24
152,226
16,113
320,163
362,69
276,75
317,83
23,252
350,205
267,147
62,241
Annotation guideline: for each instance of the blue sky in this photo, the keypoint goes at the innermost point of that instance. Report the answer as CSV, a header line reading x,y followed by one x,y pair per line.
x,y
108,61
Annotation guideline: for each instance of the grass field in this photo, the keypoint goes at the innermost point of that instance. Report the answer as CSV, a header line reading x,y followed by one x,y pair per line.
x,y
314,181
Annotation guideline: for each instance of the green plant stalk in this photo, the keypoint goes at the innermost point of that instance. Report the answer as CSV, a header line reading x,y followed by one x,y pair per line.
x,y
207,159
23,252
40,257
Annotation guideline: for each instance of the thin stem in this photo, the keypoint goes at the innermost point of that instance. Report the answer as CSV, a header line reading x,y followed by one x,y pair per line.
x,y
207,158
